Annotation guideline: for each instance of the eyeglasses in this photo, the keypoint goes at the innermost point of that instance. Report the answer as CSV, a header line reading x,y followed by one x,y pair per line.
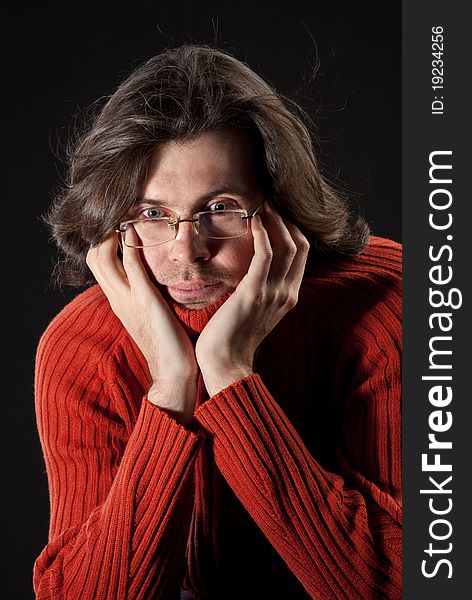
x,y
215,224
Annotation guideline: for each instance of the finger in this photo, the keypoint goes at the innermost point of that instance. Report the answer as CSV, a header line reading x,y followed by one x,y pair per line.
x,y
135,269
283,245
132,262
261,261
105,265
297,269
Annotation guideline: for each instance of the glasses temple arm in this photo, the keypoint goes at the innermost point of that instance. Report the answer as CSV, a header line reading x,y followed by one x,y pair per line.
x,y
254,211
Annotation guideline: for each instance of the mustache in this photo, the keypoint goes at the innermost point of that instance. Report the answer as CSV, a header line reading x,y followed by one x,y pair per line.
x,y
189,274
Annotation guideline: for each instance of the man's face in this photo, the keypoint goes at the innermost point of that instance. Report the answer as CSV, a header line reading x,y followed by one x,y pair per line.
x,y
217,167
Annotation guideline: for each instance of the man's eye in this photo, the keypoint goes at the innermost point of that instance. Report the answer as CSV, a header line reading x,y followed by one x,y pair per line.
x,y
223,205
152,213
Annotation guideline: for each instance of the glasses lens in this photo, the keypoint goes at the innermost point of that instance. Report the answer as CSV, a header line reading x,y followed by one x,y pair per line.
x,y
222,224
149,233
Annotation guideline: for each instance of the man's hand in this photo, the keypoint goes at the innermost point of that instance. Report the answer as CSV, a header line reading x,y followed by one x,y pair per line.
x,y
226,347
148,319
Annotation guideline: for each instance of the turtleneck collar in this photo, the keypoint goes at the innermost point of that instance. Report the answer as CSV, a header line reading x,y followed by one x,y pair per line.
x,y
195,319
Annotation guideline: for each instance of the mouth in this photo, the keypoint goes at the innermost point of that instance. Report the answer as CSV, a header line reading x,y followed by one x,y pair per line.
x,y
192,290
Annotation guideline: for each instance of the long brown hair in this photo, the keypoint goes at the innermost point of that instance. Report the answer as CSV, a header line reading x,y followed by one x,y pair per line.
x,y
179,94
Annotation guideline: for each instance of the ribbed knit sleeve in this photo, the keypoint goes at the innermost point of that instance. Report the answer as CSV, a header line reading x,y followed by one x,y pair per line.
x,y
116,482
339,532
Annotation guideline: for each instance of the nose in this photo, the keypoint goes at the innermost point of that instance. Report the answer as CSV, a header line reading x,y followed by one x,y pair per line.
x,y
188,247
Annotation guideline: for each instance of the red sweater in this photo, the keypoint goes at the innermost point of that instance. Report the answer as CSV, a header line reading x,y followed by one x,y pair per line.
x,y
287,485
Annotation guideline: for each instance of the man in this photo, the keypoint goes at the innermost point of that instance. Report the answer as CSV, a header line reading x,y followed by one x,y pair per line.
x,y
220,415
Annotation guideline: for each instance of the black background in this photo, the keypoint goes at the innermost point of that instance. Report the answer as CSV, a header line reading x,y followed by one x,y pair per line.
x,y
61,58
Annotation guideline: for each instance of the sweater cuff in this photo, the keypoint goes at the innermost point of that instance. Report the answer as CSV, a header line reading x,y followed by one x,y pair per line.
x,y
244,416
239,395
158,444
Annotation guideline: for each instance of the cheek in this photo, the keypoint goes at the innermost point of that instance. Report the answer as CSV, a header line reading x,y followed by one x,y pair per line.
x,y
154,261
239,255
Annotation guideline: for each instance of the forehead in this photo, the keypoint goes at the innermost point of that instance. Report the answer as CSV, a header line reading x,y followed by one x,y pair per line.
x,y
180,173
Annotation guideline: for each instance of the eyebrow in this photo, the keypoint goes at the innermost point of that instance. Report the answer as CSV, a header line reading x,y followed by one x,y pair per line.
x,y
235,190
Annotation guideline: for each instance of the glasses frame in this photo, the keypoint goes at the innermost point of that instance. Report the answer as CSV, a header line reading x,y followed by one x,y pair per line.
x,y
174,225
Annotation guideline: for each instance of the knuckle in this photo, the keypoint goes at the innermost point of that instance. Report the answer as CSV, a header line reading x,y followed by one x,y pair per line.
x,y
268,253
291,250
303,244
286,298
280,297
259,297
292,299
